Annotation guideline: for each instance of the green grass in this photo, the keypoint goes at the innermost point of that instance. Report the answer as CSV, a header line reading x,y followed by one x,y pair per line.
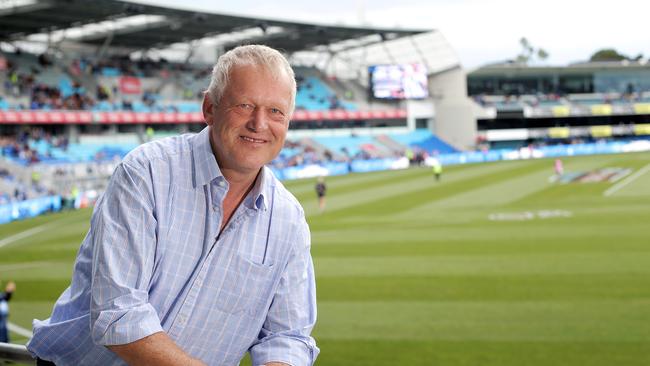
x,y
413,272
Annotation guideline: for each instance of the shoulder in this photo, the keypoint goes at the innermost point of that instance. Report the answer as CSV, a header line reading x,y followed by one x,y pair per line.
x,y
163,163
170,150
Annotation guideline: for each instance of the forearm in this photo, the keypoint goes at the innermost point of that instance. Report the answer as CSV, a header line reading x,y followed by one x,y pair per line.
x,y
156,349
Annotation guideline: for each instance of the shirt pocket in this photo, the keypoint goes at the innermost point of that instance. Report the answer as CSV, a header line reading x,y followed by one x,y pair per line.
x,y
245,286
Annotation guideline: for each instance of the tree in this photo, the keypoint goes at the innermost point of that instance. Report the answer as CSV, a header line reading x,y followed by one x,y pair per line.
x,y
610,54
529,53
607,54
542,55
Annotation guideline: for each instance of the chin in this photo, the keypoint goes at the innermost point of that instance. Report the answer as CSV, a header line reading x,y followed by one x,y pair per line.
x,y
254,164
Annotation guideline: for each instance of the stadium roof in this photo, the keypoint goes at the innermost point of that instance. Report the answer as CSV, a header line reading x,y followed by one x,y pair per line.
x,y
139,26
512,69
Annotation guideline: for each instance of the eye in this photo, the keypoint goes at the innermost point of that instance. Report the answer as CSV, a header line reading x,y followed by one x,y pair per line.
x,y
246,106
277,114
276,111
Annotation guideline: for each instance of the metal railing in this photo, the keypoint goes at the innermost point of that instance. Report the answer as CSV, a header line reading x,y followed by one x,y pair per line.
x,y
15,353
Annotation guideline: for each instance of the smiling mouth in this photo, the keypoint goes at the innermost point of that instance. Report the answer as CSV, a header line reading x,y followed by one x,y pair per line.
x,y
250,139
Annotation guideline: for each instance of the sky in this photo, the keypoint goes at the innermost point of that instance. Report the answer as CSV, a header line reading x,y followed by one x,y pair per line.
x,y
480,32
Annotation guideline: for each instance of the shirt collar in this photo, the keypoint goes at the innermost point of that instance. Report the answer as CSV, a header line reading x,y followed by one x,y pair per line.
x,y
204,163
260,193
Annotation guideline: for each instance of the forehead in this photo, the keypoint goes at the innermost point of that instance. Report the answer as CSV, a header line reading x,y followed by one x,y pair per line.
x,y
259,81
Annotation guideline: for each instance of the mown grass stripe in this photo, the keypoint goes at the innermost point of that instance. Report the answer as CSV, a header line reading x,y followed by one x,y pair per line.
x,y
386,185
557,321
397,199
506,192
480,288
618,186
304,188
488,265
467,352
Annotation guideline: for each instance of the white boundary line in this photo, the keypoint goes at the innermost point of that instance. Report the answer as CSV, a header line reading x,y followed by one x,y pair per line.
x,y
20,330
23,265
22,234
29,232
626,181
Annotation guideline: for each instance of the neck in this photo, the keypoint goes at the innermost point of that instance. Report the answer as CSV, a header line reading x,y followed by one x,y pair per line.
x,y
240,182
240,185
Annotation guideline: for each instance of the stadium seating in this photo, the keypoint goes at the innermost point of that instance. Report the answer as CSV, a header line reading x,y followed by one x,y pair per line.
x,y
161,87
347,145
517,103
314,95
423,139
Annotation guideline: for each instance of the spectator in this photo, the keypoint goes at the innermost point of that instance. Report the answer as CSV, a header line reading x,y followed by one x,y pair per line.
x,y
4,310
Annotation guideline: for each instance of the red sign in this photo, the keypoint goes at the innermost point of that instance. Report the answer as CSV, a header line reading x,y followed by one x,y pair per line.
x,y
130,85
84,117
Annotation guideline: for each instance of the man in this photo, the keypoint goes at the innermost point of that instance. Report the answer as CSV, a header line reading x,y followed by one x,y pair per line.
x,y
437,168
559,168
4,310
321,189
196,253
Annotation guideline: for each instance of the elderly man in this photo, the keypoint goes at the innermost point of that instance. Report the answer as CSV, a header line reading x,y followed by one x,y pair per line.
x,y
196,253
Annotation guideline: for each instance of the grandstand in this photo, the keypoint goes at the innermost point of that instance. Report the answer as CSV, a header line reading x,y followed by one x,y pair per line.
x,y
592,101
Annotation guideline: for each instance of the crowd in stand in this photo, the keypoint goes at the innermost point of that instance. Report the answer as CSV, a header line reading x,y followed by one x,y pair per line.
x,y
24,84
16,191
18,146
21,83
539,100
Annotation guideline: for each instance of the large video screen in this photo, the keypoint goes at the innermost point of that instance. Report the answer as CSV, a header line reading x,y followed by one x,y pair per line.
x,y
405,81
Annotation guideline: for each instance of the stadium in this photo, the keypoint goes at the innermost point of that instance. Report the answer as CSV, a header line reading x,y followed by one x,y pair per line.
x,y
503,259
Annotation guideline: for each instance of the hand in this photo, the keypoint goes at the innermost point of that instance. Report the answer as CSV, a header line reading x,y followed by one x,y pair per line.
x,y
156,349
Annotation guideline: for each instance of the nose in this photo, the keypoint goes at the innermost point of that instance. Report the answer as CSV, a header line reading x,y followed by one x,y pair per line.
x,y
258,121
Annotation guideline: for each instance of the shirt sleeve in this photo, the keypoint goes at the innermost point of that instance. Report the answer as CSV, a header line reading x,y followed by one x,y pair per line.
x,y
124,241
285,335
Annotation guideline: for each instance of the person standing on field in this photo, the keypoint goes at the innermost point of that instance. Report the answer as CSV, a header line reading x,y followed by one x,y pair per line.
x,y
437,169
321,190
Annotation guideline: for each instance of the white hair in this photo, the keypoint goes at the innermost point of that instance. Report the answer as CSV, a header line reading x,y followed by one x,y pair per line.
x,y
257,55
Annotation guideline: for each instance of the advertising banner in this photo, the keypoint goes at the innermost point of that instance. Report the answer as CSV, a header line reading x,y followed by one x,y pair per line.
x,y
130,85
29,208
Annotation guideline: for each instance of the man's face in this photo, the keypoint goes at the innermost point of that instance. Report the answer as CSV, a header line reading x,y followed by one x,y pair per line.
x,y
250,122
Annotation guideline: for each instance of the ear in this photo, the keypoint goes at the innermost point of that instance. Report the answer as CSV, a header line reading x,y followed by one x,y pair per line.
x,y
208,110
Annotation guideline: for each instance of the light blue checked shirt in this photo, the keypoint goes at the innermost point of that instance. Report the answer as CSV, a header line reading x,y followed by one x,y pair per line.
x,y
153,261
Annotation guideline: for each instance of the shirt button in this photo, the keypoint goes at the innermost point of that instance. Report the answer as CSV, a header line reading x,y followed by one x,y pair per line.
x,y
215,208
222,183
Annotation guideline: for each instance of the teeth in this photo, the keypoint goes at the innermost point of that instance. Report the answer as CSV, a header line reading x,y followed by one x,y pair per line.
x,y
251,139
